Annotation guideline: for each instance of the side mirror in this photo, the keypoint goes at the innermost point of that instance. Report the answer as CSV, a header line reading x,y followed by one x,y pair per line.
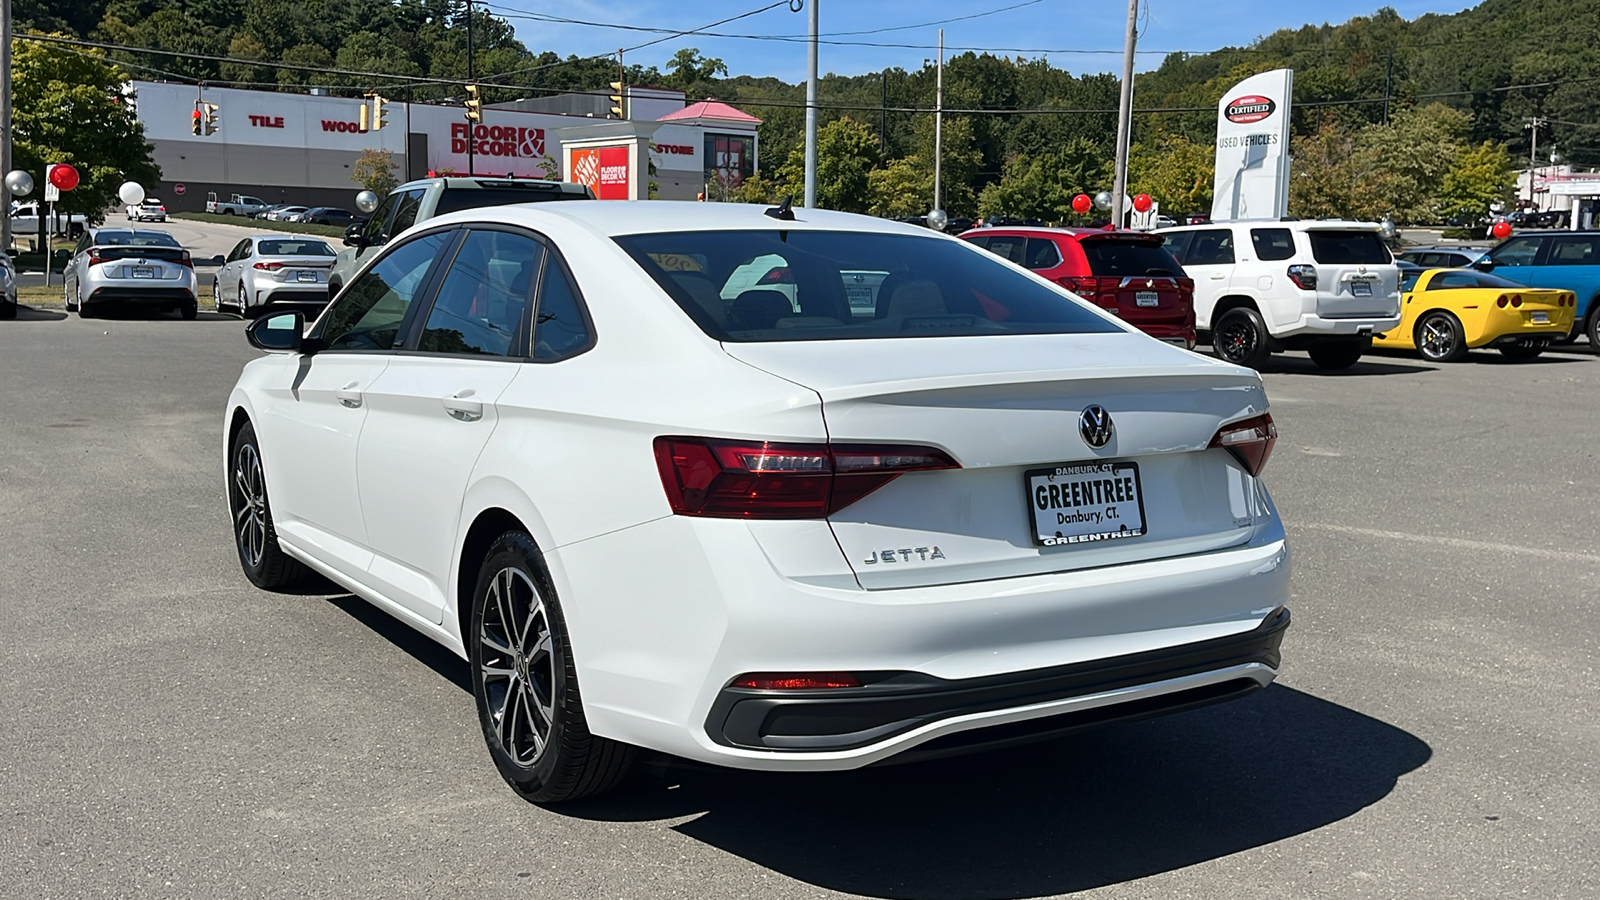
x,y
353,236
62,255
1483,265
213,261
279,332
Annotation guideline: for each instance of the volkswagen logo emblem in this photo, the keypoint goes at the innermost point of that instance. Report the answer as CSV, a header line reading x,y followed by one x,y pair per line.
x,y
1094,423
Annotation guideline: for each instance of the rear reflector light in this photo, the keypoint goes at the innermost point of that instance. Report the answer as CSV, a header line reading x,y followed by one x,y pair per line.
x,y
768,681
1516,300
1249,440
270,267
1303,276
760,480
1501,301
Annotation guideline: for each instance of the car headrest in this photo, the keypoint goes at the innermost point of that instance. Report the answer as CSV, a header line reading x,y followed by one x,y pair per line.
x,y
758,309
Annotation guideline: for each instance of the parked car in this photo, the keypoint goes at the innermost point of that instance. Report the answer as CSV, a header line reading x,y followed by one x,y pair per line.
x,y
25,221
8,288
271,270
1565,260
419,201
236,205
326,215
1441,257
1129,273
980,512
283,213
1325,287
150,209
1446,312
112,266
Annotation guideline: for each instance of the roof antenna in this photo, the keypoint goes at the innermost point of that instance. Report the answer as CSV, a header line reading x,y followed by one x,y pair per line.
x,y
783,211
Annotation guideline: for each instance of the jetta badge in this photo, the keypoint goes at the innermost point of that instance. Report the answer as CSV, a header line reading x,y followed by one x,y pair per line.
x,y
1094,423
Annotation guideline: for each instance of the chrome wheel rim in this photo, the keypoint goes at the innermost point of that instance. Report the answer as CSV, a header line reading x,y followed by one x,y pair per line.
x,y
1438,338
1236,340
517,665
250,505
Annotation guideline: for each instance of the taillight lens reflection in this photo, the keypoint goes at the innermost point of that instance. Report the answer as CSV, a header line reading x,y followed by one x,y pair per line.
x,y
1249,440
763,480
268,266
773,681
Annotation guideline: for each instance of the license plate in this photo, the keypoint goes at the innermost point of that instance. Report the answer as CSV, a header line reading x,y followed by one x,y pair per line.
x,y
144,272
1147,298
1541,318
1080,503
1361,289
305,276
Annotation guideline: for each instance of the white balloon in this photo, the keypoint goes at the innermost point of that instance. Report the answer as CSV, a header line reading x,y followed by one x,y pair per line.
x,y
131,192
1103,200
19,183
366,201
937,219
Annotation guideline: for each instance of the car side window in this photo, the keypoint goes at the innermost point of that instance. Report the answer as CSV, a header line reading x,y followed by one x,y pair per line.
x,y
1210,248
1272,243
1573,250
1042,254
240,251
1518,251
1449,280
981,241
484,295
368,315
405,211
378,226
1009,247
1178,244
560,329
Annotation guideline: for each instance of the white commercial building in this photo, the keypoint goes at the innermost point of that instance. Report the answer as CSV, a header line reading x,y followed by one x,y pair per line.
x,y
302,148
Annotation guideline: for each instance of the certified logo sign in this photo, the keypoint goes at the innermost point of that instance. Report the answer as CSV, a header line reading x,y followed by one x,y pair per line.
x,y
1095,424
1246,110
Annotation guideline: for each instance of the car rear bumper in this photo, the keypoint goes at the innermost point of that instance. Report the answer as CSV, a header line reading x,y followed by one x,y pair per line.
x,y
1314,326
152,296
288,293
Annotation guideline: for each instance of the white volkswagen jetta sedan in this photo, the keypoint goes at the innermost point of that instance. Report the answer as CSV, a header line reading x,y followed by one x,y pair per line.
x,y
820,522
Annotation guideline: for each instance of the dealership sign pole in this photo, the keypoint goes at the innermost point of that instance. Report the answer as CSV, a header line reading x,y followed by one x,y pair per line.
x,y
1252,174
5,124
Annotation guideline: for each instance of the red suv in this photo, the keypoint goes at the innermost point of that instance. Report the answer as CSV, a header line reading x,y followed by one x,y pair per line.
x,y
1128,273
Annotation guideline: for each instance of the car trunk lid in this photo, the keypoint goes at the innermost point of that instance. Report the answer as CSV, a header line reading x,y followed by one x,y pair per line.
x,y
1356,276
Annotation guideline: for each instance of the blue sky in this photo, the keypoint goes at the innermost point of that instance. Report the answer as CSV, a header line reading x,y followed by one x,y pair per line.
x,y
1056,25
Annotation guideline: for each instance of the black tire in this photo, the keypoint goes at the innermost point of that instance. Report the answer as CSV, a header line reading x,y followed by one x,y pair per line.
x,y
254,536
535,687
190,310
1340,354
84,312
1593,328
8,309
1240,337
1439,337
244,308
1522,352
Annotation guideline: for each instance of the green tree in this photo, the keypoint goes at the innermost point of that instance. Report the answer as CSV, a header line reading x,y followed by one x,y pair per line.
x,y
692,73
375,171
847,152
67,108
904,187
1042,186
1482,175
1399,167
1176,172
1322,182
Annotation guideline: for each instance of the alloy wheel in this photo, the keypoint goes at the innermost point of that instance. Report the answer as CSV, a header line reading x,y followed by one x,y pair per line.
x,y
1437,337
249,505
518,665
1236,340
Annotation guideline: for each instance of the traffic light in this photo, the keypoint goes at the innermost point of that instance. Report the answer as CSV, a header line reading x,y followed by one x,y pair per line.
x,y
364,124
380,110
198,121
616,99
211,117
474,105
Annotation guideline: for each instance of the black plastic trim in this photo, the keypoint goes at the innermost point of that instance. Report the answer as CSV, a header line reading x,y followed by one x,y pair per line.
x,y
892,703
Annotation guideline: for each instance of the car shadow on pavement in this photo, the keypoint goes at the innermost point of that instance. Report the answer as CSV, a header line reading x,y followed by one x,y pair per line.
x,y
29,314
424,650
1285,364
1098,809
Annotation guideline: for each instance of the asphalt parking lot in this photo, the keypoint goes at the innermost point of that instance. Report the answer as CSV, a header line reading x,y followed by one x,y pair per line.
x,y
166,730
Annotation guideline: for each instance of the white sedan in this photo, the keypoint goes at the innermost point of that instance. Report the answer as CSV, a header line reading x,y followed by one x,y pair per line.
x,y
274,270
792,529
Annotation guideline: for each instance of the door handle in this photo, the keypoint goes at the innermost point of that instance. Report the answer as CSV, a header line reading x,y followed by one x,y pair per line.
x,y
464,406
1218,276
349,395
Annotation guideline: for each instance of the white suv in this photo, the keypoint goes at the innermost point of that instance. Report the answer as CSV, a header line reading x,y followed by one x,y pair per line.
x,y
1263,286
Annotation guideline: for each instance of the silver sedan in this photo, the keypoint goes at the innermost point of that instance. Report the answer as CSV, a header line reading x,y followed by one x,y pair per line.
x,y
276,270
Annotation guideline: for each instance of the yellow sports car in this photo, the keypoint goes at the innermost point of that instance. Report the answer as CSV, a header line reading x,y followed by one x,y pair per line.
x,y
1445,312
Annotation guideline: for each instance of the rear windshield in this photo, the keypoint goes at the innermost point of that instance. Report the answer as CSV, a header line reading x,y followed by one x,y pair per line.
x,y
452,200
135,239
1348,248
1121,256
294,248
820,285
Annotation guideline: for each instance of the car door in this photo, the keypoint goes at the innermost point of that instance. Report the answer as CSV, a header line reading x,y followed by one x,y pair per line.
x,y
433,409
1571,263
1209,261
312,424
229,275
1515,258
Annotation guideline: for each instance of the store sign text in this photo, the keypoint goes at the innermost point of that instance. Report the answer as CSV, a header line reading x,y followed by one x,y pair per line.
x,y
267,121
498,140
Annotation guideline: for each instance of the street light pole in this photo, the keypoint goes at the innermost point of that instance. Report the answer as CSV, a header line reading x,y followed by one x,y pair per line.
x,y
472,127
1119,188
938,128
811,110
5,126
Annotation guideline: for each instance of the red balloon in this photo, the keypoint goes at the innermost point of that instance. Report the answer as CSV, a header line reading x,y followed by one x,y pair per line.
x,y
1501,229
1081,203
64,177
1142,202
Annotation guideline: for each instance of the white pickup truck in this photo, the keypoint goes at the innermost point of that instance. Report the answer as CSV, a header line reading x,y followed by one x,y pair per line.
x,y
237,205
25,221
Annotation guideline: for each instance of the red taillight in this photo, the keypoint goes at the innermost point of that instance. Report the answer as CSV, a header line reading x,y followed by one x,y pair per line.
x,y
1516,300
95,258
186,260
1501,301
1249,440
269,267
1099,290
1303,276
758,480
769,681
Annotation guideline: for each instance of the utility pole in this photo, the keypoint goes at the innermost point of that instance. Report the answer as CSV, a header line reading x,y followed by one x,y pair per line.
x,y
472,127
1534,124
938,128
883,114
1388,80
811,111
1119,188
5,127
